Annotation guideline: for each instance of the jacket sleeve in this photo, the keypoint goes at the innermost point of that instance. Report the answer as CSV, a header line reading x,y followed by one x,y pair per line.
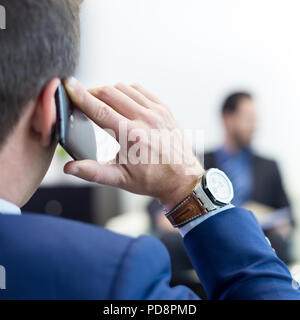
x,y
234,260
144,273
279,194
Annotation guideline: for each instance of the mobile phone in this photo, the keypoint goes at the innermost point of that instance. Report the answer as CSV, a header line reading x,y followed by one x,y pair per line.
x,y
74,130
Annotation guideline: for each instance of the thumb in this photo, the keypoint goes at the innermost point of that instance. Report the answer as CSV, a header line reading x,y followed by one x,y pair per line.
x,y
92,171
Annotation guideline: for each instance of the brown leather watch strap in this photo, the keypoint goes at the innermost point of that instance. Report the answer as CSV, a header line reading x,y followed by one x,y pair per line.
x,y
187,210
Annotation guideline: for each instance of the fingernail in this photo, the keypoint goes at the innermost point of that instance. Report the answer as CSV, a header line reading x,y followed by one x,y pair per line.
x,y
73,171
71,83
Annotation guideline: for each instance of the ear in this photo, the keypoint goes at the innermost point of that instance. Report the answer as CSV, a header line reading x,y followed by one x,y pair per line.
x,y
44,117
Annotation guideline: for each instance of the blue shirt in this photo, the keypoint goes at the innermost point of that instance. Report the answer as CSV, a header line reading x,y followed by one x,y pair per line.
x,y
238,167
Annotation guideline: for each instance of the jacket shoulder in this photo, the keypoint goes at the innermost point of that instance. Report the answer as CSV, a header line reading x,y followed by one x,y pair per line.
x,y
58,258
72,260
145,273
264,161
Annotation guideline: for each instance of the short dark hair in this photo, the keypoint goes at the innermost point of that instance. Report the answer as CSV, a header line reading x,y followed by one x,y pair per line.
x,y
40,42
231,103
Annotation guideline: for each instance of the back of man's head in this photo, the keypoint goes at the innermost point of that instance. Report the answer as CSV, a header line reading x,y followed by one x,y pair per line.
x,y
40,42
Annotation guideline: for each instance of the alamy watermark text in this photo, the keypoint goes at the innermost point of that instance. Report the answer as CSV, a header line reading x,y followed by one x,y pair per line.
x,y
2,18
2,278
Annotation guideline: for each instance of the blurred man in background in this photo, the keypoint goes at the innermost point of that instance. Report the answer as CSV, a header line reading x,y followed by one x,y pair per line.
x,y
256,180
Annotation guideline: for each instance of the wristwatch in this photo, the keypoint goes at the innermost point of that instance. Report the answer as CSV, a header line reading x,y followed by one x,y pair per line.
x,y
213,191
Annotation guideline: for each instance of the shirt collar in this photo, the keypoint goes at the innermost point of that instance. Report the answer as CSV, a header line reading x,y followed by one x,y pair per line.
x,y
7,207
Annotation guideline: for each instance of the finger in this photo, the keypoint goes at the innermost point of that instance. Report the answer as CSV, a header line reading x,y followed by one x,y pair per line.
x,y
119,101
102,114
92,171
134,95
146,93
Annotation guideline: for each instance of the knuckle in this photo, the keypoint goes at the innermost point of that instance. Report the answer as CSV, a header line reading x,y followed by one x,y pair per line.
x,y
136,86
122,181
102,112
156,122
106,90
119,85
94,91
163,110
95,177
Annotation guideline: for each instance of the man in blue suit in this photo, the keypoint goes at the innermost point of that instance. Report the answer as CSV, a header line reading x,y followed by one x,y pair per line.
x,y
52,258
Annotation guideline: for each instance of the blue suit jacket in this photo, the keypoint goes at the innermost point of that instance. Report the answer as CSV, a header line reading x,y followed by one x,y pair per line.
x,y
52,258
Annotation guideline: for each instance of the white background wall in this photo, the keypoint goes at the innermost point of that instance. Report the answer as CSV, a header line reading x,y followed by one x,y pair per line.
x,y
192,52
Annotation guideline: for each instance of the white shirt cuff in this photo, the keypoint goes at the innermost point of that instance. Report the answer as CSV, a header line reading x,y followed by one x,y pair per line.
x,y
189,226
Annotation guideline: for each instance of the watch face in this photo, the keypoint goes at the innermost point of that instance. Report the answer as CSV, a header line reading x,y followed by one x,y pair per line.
x,y
219,186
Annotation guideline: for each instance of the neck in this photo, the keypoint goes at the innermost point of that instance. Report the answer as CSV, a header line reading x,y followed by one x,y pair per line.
x,y
13,180
231,145
23,163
